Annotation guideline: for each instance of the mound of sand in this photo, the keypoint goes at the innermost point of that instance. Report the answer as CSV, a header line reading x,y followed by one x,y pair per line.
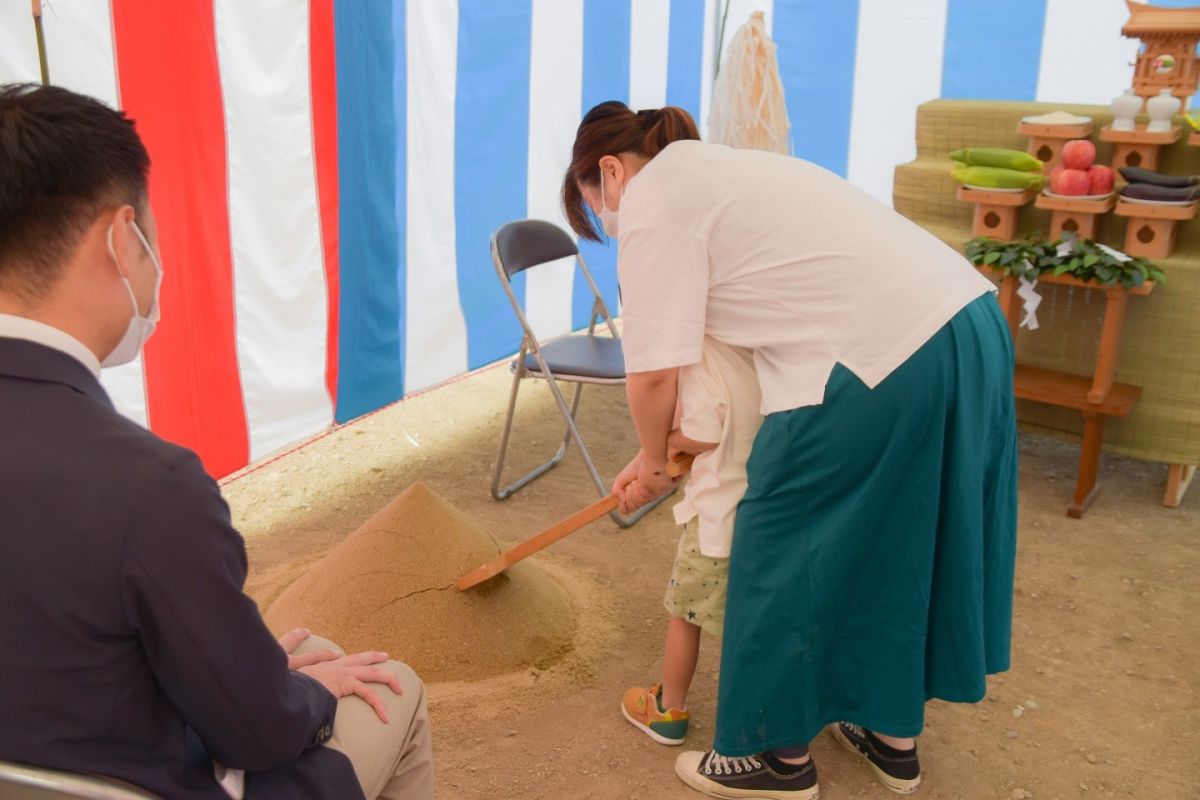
x,y
390,586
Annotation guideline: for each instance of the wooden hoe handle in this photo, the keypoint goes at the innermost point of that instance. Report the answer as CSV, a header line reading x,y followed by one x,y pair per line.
x,y
677,467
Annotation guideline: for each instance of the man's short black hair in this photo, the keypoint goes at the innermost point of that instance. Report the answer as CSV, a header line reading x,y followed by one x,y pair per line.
x,y
64,158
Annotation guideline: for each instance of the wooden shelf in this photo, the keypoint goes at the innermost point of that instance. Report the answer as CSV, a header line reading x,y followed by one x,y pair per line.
x,y
994,198
996,212
1055,131
1140,136
1117,299
1064,203
1070,280
1071,391
1125,208
1152,229
1046,141
1074,214
1140,147
1098,396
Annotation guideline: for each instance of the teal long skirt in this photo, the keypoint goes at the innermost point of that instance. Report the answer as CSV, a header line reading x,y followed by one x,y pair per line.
x,y
873,555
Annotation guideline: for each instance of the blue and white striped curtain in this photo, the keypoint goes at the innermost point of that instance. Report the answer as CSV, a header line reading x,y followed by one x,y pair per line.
x,y
495,89
456,116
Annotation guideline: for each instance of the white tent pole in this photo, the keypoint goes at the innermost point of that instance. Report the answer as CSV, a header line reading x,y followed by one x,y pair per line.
x,y
719,18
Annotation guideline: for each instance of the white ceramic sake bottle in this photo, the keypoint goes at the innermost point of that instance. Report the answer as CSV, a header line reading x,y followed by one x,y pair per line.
x,y
1125,109
1161,109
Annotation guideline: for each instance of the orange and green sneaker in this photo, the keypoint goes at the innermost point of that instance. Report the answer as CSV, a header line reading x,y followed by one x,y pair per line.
x,y
643,708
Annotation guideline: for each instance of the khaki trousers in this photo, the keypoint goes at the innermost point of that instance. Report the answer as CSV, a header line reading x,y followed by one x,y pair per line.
x,y
392,761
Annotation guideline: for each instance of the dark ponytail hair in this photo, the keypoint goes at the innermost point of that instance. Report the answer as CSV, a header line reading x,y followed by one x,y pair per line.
x,y
610,129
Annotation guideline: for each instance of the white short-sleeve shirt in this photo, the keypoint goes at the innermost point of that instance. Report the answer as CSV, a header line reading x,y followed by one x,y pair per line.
x,y
719,398
780,256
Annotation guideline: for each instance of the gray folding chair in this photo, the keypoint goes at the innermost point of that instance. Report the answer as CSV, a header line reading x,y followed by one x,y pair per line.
x,y
24,782
574,358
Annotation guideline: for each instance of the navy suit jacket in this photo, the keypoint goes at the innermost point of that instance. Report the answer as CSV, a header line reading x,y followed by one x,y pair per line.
x,y
127,646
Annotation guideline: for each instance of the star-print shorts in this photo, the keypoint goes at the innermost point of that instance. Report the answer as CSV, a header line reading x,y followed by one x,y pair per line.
x,y
696,591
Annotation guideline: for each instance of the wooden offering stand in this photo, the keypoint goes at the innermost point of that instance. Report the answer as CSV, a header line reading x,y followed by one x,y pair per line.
x,y
1152,229
1172,32
1140,147
1179,478
1075,215
996,212
1046,141
1097,397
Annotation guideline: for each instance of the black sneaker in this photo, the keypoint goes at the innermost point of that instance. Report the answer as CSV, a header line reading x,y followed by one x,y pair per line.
x,y
898,770
749,777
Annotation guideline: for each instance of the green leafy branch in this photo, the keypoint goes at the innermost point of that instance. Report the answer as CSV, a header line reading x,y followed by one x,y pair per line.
x,y
1087,261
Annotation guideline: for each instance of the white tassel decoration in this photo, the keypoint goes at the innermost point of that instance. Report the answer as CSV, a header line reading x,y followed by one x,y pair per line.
x,y
748,108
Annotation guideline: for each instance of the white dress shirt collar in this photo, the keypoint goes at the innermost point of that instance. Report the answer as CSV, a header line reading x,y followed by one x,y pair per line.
x,y
14,327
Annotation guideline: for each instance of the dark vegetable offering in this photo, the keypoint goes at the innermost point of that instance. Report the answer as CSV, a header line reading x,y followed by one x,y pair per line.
x,y
1139,175
1161,194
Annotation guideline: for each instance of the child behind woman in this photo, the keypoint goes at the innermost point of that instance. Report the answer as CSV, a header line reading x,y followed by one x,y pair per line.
x,y
718,418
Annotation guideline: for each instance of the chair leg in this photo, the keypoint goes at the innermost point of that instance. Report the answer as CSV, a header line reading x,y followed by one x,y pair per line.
x,y
497,492
602,488
503,493
572,434
574,415
629,521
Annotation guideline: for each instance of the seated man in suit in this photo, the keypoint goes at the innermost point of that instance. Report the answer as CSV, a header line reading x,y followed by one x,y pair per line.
x,y
130,649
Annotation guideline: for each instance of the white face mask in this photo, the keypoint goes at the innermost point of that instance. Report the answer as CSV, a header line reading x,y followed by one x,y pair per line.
x,y
140,328
608,217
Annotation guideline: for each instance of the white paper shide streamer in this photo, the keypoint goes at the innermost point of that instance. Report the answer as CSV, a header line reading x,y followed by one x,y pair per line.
x,y
748,108
1030,300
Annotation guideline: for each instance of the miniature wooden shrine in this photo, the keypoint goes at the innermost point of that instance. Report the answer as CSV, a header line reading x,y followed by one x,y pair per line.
x,y
1168,57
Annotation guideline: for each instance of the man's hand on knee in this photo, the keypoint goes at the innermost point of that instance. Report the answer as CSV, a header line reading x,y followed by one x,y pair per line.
x,y
292,639
350,675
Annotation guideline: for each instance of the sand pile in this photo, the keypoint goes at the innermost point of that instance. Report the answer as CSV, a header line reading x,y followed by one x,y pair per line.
x,y
390,586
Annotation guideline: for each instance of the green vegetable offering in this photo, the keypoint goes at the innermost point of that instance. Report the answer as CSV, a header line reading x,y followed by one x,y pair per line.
x,y
997,177
998,157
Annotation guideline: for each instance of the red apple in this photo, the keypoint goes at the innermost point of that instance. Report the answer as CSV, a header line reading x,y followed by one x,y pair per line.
x,y
1056,177
1102,179
1070,181
1078,154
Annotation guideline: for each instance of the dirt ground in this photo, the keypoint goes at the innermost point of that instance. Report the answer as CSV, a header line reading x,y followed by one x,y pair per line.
x,y
1101,701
